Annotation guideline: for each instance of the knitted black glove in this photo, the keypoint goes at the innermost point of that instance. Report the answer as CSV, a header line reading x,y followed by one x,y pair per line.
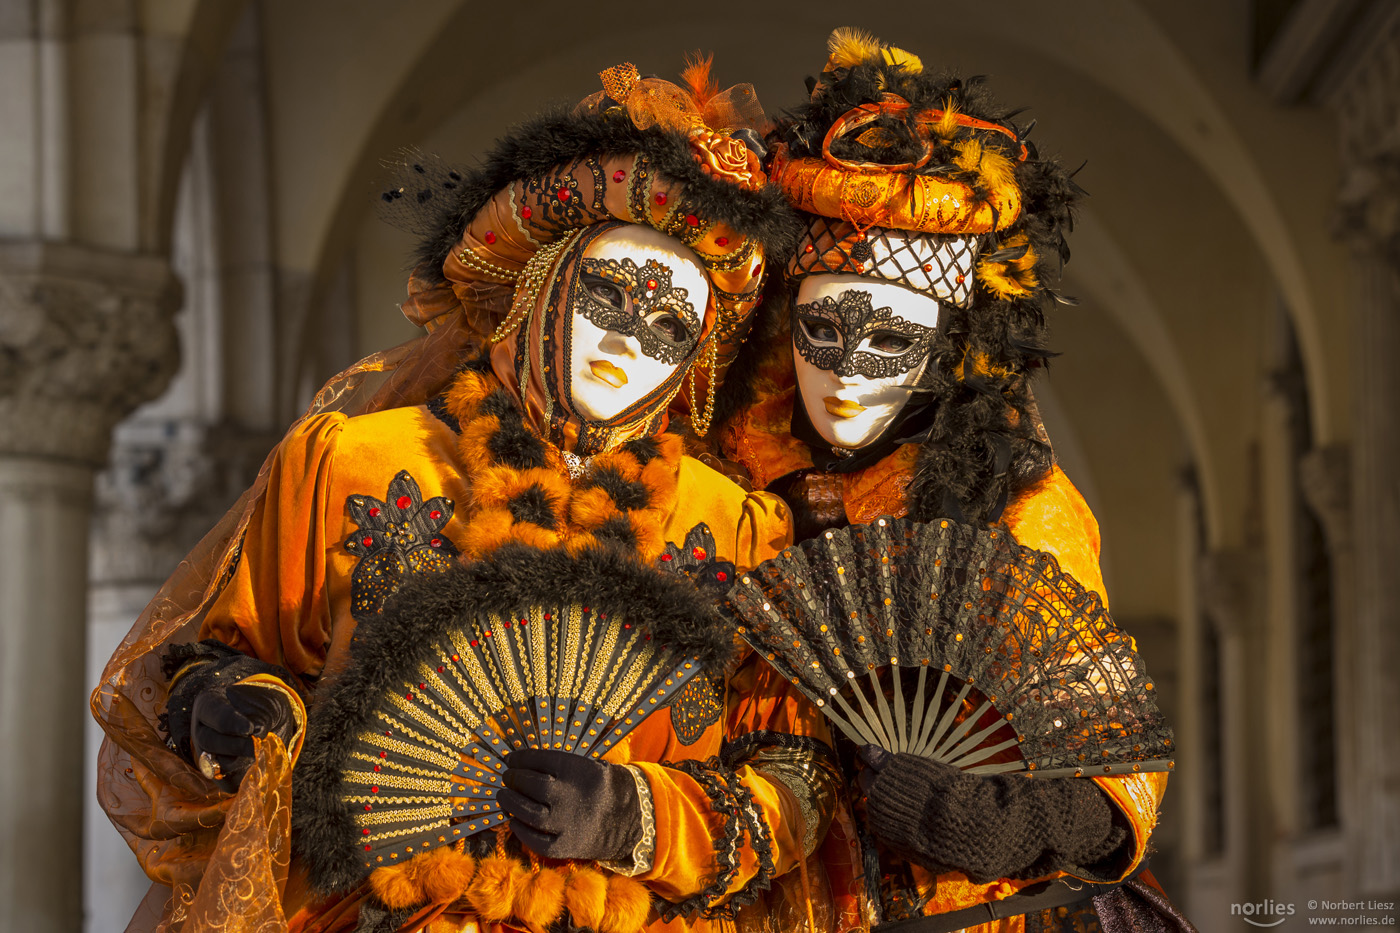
x,y
999,826
210,713
567,806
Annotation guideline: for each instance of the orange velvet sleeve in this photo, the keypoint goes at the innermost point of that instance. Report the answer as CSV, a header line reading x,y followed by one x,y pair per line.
x,y
276,606
689,824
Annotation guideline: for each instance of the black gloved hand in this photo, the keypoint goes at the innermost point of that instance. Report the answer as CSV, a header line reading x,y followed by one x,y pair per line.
x,y
567,806
997,826
212,718
224,721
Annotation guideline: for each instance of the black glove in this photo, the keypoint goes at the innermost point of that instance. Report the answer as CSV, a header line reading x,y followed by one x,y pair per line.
x,y
567,806
212,718
998,826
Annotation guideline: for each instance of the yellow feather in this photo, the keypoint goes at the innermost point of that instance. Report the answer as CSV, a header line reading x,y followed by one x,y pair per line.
x,y
850,46
911,62
998,172
947,125
969,154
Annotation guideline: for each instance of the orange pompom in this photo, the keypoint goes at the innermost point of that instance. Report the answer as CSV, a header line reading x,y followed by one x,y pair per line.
x,y
628,905
586,897
540,900
492,892
443,874
395,887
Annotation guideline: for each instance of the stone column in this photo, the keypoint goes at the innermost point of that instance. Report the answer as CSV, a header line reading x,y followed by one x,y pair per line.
x,y
85,336
1371,218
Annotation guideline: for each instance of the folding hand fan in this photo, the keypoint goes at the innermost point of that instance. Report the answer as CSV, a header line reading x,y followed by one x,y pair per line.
x,y
569,652
955,643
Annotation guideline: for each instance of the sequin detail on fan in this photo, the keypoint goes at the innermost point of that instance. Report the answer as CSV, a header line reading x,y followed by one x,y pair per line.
x,y
851,337
641,303
398,535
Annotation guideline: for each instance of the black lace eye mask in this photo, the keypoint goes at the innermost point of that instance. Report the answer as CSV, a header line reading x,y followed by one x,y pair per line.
x,y
829,335
615,295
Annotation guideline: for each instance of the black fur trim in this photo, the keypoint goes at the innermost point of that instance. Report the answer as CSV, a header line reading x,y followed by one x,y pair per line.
x,y
532,505
437,407
517,577
562,136
629,495
617,530
645,449
516,447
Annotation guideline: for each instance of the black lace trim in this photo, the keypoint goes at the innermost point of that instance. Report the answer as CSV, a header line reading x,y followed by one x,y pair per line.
x,y
726,844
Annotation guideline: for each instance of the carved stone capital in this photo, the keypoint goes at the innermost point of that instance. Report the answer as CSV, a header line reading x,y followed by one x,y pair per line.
x,y
1324,478
1227,583
166,484
86,336
1368,206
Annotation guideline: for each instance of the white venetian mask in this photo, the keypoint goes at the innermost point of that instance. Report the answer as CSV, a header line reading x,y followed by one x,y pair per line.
x,y
634,317
859,345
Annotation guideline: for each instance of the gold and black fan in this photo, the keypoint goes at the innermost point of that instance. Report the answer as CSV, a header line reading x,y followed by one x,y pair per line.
x,y
955,643
532,649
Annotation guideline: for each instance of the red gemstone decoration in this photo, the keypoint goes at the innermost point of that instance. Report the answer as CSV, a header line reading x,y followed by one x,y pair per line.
x,y
408,696
436,542
651,283
808,248
699,553
526,212
564,194
692,220
619,175
435,515
422,686
661,197
387,732
627,625
367,541
404,502
376,767
505,625
441,668
722,241
547,616
524,621
455,658
665,556
374,790
490,236
928,268
960,280
474,643
373,512
721,576
367,848
383,754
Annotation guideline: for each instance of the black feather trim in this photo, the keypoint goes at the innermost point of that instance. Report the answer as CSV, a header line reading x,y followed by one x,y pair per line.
x,y
561,136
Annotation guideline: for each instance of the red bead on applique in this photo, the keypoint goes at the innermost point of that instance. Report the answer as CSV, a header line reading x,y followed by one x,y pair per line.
x,y
721,241
564,194
692,220
404,502
490,236
526,213
661,197
619,175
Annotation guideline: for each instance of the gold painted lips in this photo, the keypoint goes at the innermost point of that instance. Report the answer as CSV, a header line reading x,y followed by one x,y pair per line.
x,y
840,408
608,373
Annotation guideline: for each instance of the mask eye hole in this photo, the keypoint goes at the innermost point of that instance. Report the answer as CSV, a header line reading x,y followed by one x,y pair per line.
x,y
670,328
887,341
605,291
820,330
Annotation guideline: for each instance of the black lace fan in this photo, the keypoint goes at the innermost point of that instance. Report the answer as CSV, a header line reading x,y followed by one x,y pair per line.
x,y
955,643
534,649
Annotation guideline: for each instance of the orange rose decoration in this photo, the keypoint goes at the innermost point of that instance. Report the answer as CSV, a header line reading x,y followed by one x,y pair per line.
x,y
727,158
